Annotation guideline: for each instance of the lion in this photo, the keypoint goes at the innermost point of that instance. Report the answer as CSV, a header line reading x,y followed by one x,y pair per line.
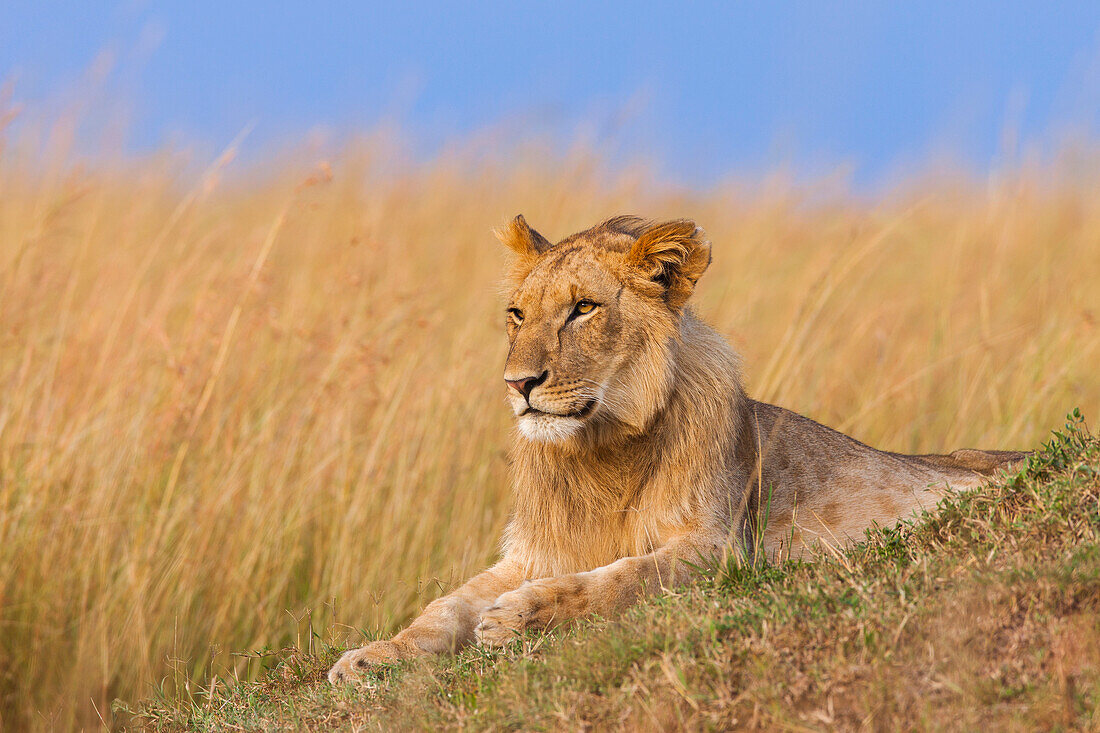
x,y
638,453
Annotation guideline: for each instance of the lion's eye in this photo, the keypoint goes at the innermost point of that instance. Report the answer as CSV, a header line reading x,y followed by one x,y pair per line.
x,y
583,308
515,315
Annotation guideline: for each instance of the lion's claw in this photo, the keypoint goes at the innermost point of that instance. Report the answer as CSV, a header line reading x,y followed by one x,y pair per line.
x,y
356,661
512,614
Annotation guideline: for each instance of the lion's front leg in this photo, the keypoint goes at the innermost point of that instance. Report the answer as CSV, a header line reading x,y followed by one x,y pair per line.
x,y
445,626
547,602
537,604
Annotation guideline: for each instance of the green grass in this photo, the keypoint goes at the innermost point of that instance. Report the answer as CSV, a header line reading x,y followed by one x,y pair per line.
x,y
983,614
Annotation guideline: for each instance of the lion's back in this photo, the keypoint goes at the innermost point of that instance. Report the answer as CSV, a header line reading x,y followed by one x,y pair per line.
x,y
820,485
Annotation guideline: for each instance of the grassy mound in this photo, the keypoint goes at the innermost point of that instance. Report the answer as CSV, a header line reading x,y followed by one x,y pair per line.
x,y
985,614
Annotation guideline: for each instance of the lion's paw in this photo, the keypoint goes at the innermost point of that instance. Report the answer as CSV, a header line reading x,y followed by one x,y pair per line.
x,y
357,661
528,607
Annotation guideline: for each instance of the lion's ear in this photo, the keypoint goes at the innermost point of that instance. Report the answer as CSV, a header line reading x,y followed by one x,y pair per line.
x,y
521,238
674,255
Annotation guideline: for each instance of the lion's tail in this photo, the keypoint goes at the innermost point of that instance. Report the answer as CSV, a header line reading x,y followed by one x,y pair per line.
x,y
984,462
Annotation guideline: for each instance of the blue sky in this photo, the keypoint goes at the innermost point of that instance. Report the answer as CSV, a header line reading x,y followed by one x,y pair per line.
x,y
706,89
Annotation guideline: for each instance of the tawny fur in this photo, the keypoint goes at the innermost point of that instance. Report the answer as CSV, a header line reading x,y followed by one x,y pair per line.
x,y
638,448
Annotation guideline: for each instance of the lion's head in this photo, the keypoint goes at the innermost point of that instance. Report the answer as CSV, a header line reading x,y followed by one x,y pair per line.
x,y
593,324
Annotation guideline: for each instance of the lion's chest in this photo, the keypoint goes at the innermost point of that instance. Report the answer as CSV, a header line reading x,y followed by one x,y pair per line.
x,y
576,521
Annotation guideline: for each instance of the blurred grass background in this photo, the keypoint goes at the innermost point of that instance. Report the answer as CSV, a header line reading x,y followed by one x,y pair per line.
x,y
237,406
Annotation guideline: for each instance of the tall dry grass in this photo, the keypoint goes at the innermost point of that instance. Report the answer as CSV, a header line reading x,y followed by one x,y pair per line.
x,y
225,403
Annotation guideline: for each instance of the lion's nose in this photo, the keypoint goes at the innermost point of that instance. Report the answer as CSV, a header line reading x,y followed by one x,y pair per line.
x,y
526,384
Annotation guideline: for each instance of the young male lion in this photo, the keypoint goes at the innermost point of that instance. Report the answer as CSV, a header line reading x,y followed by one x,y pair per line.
x,y
637,447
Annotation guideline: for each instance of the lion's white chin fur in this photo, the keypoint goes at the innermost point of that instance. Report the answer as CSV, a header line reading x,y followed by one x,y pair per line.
x,y
548,428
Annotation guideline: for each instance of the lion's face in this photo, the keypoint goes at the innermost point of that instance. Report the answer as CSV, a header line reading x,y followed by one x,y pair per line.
x,y
592,325
567,324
